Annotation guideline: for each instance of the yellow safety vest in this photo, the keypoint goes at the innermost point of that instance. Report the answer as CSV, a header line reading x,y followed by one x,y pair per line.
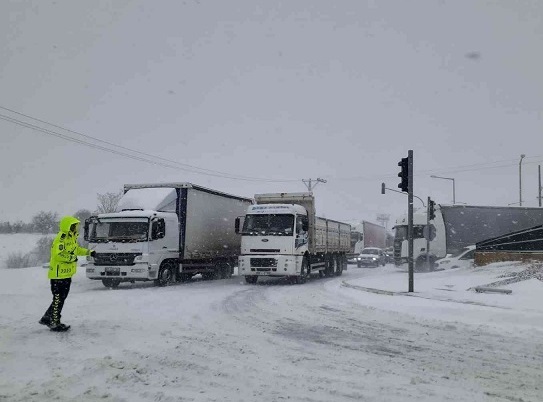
x,y
64,251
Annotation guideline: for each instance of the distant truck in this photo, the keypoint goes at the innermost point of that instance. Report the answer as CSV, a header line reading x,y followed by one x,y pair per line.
x,y
282,237
164,233
367,234
459,226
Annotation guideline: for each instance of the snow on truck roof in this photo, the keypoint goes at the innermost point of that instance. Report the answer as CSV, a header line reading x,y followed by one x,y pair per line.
x,y
145,213
184,185
276,209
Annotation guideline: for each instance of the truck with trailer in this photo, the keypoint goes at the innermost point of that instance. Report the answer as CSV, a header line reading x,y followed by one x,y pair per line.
x,y
281,236
458,226
165,232
367,234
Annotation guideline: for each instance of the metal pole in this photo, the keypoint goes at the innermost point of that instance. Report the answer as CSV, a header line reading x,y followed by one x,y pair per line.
x,y
453,182
539,170
410,218
520,178
428,237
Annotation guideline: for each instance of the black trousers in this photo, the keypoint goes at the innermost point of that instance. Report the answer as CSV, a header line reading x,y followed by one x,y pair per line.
x,y
60,289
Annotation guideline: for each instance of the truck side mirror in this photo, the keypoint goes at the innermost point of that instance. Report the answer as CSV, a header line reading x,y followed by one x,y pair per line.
x,y
86,230
158,229
236,225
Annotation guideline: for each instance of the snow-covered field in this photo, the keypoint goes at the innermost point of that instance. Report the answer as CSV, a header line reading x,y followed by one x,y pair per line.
x,y
19,242
326,340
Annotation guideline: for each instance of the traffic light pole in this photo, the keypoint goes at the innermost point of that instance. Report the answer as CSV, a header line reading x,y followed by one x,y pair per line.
x,y
428,237
410,219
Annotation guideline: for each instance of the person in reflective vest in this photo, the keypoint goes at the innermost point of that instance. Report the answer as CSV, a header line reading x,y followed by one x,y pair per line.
x,y
62,266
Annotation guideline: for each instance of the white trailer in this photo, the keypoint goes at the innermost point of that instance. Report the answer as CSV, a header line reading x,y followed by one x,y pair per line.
x,y
165,232
458,226
282,236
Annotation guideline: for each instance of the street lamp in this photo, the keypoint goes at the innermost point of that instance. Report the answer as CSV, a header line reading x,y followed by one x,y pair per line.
x,y
447,178
520,179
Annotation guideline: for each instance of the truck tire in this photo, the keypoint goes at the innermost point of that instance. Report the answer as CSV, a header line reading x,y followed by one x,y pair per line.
x,y
304,273
223,271
166,274
330,266
111,283
339,265
251,279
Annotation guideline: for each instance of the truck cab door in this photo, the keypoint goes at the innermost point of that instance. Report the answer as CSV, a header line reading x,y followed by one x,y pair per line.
x,y
164,243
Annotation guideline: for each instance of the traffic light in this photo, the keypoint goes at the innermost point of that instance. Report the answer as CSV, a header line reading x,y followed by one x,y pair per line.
x,y
404,174
431,210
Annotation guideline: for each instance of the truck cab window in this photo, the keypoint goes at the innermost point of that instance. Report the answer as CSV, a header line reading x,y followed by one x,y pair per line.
x,y
301,224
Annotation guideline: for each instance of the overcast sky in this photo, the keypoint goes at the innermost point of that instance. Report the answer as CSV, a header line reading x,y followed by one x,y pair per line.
x,y
273,90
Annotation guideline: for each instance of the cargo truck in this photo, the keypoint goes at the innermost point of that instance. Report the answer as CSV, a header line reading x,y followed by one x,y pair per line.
x,y
165,232
367,234
458,226
282,237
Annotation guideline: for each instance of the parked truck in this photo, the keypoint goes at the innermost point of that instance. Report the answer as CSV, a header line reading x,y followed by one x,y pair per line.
x,y
164,233
367,234
282,237
458,226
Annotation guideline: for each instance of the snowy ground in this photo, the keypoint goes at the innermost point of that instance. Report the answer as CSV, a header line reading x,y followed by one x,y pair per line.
x,y
326,340
19,242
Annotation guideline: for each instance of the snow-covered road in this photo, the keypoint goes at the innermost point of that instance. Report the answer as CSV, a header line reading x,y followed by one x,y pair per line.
x,y
229,341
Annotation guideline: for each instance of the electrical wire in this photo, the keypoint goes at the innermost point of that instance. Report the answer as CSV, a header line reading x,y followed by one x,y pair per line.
x,y
166,162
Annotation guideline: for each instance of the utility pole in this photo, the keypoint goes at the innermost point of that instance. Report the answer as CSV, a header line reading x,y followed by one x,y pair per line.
x,y
410,220
309,183
539,170
520,178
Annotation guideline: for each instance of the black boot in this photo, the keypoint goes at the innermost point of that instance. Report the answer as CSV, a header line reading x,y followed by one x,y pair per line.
x,y
60,327
45,320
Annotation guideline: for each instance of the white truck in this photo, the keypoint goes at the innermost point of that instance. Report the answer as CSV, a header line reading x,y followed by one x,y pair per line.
x,y
459,226
165,232
282,237
367,234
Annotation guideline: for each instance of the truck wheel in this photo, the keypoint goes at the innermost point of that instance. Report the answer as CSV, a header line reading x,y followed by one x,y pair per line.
x,y
304,273
329,271
251,279
339,265
165,274
223,271
111,283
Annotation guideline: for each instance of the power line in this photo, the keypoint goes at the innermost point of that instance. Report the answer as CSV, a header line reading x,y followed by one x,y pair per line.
x,y
458,169
187,167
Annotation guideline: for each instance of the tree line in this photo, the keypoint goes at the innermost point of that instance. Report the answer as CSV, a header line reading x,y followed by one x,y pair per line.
x,y
46,222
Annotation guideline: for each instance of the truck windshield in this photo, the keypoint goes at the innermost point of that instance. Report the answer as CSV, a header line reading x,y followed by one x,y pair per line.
x,y
119,230
268,225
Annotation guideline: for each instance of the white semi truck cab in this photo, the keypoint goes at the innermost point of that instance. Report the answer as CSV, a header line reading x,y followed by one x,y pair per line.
x,y
282,237
165,232
131,245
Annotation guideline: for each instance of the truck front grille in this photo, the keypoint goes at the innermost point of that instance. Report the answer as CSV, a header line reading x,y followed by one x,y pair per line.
x,y
263,262
113,259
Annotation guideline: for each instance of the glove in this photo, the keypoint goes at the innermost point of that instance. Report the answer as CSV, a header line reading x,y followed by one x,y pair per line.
x,y
92,253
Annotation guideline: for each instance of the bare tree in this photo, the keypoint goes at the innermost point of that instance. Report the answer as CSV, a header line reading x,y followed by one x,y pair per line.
x,y
45,222
108,202
83,214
